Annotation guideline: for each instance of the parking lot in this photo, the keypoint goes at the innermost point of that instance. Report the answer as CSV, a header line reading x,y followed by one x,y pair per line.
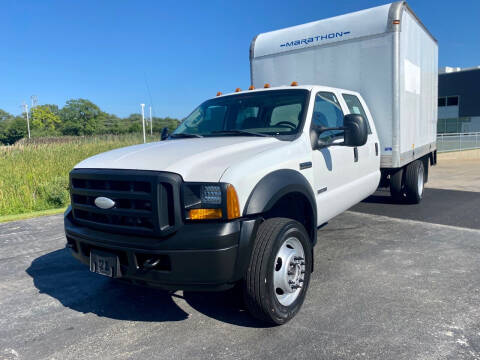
x,y
390,282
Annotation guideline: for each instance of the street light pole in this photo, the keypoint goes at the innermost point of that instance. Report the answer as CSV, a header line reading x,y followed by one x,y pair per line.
x,y
25,108
143,122
151,122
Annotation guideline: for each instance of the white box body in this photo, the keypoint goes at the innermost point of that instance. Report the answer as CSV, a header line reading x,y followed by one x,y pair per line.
x,y
394,66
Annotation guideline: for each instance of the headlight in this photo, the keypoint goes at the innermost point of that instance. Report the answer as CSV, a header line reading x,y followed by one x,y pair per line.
x,y
210,201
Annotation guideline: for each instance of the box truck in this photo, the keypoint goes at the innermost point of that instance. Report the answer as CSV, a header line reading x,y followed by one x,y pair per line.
x,y
236,194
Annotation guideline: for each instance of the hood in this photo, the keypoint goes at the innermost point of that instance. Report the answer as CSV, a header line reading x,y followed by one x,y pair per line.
x,y
197,159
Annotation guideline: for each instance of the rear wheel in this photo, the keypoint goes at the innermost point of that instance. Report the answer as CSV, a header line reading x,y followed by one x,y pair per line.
x,y
279,271
414,181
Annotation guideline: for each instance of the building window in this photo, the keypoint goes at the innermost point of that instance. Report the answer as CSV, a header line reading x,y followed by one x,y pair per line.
x,y
442,101
452,101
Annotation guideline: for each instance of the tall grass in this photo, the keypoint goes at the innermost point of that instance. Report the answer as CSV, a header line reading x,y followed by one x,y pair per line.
x,y
34,174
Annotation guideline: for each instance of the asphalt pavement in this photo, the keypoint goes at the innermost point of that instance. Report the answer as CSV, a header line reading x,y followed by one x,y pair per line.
x,y
402,286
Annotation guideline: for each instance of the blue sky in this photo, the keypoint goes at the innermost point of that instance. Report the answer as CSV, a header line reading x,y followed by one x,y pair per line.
x,y
186,51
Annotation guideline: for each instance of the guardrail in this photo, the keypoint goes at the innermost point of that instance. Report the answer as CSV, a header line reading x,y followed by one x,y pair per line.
x,y
458,141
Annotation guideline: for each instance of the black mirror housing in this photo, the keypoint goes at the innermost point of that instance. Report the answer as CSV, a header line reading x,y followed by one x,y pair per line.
x,y
164,134
355,130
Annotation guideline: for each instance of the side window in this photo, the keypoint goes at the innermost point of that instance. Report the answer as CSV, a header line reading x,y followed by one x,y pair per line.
x,y
355,107
327,113
286,113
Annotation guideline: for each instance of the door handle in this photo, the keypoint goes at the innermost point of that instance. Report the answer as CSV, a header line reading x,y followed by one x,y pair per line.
x,y
376,149
355,154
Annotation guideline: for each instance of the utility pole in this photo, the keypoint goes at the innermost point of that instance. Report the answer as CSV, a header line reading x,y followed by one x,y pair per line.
x,y
151,122
143,122
25,109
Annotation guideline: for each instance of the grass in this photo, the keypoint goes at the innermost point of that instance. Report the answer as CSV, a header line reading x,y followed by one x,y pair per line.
x,y
34,174
33,214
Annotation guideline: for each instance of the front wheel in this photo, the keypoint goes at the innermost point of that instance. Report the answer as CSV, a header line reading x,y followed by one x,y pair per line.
x,y
279,271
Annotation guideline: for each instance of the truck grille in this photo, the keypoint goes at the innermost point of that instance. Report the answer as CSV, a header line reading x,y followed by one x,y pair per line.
x,y
145,201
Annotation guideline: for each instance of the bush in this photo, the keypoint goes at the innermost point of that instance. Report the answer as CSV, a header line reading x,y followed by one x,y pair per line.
x,y
56,192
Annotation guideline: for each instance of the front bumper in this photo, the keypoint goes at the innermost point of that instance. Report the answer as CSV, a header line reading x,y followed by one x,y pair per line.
x,y
203,256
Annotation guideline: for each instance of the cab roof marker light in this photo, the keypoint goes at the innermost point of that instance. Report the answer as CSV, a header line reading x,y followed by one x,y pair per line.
x,y
294,83
219,93
251,87
238,90
266,86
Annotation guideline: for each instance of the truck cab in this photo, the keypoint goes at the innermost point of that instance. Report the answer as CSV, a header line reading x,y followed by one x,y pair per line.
x,y
246,176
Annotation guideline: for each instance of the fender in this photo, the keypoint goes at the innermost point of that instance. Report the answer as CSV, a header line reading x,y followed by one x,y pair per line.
x,y
274,186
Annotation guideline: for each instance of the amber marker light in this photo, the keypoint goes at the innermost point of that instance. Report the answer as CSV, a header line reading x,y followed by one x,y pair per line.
x,y
219,93
205,214
238,90
266,86
233,207
396,22
251,87
294,83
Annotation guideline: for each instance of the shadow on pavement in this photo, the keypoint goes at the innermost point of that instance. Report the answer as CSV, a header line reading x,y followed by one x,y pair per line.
x,y
60,276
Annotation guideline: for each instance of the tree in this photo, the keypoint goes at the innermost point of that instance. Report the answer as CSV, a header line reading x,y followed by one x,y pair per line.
x,y
13,130
81,117
45,120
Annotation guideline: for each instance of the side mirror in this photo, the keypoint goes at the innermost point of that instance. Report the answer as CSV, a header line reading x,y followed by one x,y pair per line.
x,y
164,134
356,130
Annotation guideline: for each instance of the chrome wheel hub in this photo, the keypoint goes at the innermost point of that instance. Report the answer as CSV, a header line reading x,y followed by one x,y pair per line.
x,y
289,271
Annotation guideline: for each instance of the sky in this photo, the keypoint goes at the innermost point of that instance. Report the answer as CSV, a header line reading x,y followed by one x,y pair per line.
x,y
172,54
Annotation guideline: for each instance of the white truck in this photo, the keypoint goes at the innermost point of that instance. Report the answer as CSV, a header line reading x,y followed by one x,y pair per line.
x,y
235,195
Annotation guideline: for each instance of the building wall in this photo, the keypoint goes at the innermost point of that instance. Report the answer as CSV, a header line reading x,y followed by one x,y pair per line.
x,y
464,84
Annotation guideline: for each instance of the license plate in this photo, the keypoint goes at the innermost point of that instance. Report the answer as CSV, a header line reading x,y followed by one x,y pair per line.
x,y
103,263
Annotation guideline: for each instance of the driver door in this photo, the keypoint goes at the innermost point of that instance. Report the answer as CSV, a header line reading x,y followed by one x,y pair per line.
x,y
333,166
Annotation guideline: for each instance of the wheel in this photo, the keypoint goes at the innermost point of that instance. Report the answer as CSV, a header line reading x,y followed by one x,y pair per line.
x,y
279,271
414,181
397,188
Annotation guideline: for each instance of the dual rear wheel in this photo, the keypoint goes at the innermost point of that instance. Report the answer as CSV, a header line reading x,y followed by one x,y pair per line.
x,y
407,183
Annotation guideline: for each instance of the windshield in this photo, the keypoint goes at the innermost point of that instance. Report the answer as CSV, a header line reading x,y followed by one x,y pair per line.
x,y
263,113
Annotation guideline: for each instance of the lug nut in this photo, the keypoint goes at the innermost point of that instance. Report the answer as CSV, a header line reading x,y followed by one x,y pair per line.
x,y
297,258
290,273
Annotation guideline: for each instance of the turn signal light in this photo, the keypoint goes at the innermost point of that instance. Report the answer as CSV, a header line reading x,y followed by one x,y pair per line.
x,y
251,87
294,83
238,90
205,214
233,207
219,93
266,86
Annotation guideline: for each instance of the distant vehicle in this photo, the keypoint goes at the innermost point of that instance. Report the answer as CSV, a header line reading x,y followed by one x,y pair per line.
x,y
236,193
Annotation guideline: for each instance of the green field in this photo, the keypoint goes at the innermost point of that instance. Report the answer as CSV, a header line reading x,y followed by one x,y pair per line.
x,y
34,175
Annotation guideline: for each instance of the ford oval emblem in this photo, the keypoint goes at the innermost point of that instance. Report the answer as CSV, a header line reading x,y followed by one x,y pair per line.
x,y
104,203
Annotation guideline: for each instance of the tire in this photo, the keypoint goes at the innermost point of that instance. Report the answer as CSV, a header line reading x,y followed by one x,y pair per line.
x,y
414,181
397,188
282,252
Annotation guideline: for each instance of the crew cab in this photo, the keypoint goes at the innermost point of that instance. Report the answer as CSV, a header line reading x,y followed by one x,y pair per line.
x,y
235,194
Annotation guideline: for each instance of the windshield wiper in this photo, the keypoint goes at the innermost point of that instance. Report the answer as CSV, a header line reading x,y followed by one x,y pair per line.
x,y
185,135
239,132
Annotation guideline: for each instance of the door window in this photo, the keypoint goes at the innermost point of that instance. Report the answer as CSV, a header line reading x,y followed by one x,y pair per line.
x,y
327,113
355,107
